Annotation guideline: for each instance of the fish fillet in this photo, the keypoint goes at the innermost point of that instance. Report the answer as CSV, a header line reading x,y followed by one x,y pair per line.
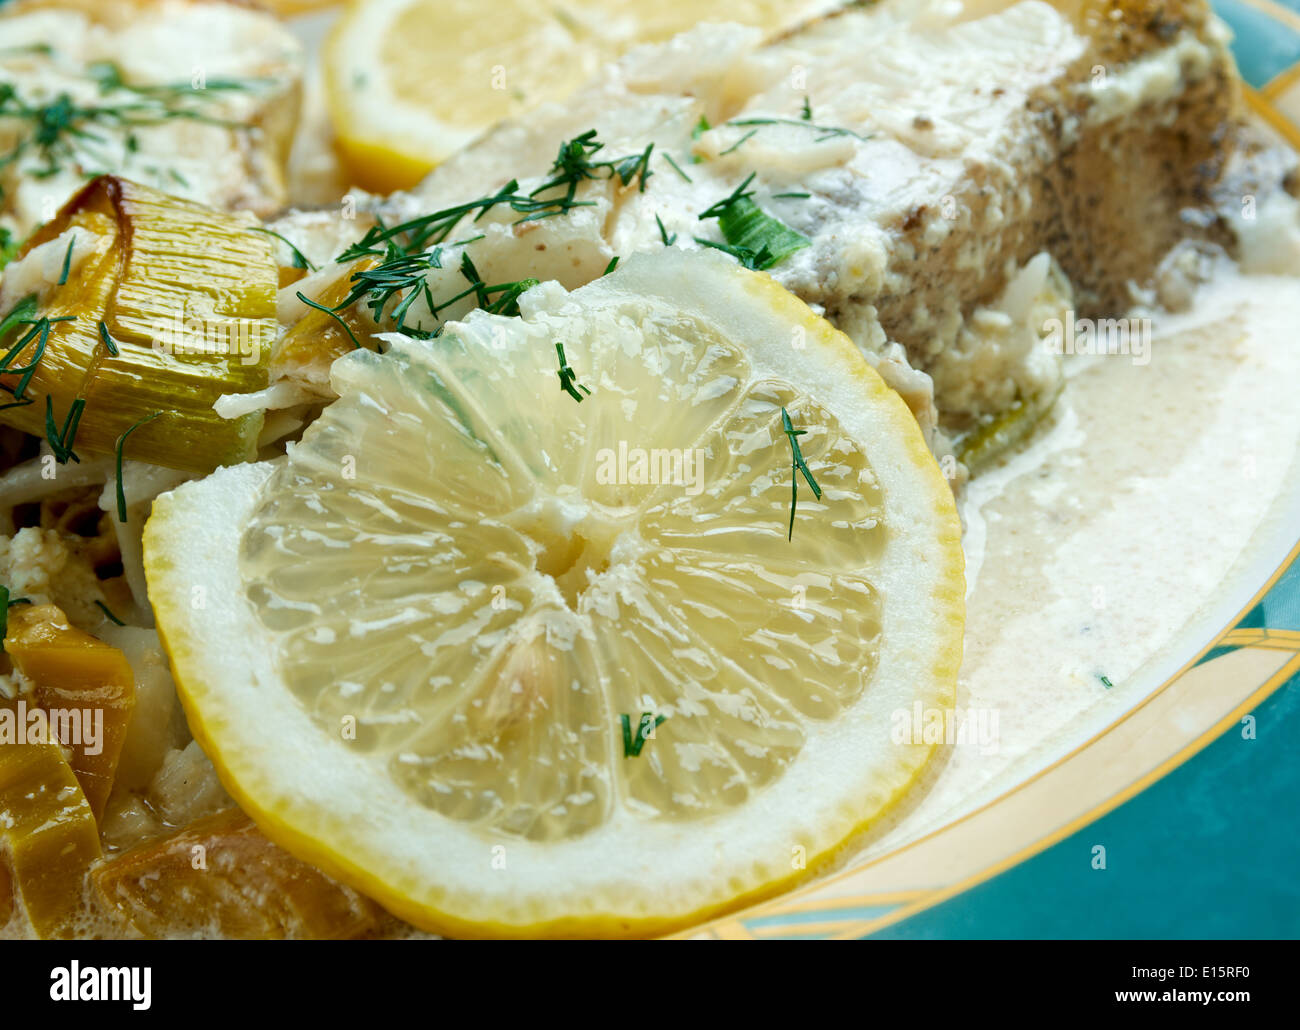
x,y
961,170
238,73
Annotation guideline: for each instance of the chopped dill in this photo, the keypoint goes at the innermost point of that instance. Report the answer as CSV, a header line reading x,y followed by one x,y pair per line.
x,y
299,258
797,466
753,237
663,233
61,439
67,261
109,613
633,743
738,144
676,167
568,378
61,129
827,131
356,344
118,448
109,342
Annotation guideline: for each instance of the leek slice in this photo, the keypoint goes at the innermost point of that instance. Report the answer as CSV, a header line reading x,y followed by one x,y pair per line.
x,y
187,295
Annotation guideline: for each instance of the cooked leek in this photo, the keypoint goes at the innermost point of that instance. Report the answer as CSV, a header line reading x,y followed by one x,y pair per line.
x,y
48,835
309,348
85,686
983,444
185,294
221,876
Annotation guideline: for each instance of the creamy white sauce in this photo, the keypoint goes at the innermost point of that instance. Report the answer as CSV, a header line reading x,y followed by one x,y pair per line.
x,y
1089,551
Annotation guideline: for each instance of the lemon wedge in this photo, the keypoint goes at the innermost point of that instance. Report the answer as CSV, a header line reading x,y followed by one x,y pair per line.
x,y
515,663
409,82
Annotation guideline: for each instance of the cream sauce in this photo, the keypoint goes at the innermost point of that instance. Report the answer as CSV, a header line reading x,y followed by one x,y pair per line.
x,y
1091,549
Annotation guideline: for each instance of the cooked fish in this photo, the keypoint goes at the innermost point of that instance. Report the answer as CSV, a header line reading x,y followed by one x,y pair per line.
x,y
948,175
199,99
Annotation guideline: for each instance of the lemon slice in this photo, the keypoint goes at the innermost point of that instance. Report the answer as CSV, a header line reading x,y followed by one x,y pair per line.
x,y
409,82
409,645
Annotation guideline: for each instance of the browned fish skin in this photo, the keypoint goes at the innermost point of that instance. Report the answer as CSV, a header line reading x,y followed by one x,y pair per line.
x,y
1108,204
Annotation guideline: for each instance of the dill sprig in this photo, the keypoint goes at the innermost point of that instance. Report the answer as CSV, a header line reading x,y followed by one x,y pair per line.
x,y
107,338
573,165
7,602
738,144
24,313
399,273
797,466
299,258
109,613
568,378
739,193
118,447
633,743
663,233
409,250
67,261
333,313
802,122
753,237
62,129
62,438
507,300
676,167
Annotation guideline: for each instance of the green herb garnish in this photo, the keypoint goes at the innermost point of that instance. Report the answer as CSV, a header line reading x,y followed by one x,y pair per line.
x,y
67,261
568,378
663,233
61,129
109,342
333,313
701,127
677,168
827,131
797,466
111,617
5,604
737,145
23,314
403,248
9,246
613,264
754,238
62,438
299,258
632,744
121,443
